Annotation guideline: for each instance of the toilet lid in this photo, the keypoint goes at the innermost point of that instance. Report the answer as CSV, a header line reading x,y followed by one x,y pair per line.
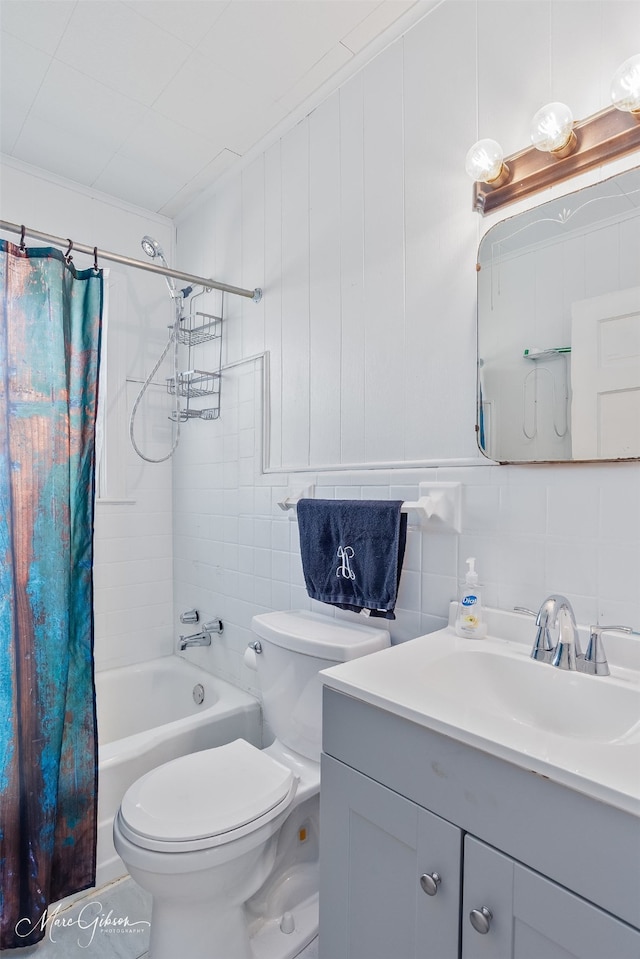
x,y
207,794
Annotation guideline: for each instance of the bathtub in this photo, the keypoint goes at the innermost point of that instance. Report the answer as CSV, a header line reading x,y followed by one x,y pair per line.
x,y
147,715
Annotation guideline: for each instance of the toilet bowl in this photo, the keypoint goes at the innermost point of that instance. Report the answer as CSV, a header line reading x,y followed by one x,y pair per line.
x,y
226,840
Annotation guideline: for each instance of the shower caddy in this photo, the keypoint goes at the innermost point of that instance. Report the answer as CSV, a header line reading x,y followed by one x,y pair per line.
x,y
196,329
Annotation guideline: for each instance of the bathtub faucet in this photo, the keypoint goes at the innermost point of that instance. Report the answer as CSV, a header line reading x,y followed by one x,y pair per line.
x,y
203,638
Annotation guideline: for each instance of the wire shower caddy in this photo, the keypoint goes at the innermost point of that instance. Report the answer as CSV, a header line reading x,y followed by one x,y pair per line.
x,y
196,329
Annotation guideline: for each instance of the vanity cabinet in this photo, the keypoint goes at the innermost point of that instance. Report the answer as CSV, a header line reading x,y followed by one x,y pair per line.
x,y
531,917
377,846
548,872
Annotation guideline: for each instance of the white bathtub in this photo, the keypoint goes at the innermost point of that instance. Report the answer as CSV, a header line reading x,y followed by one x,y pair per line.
x,y
146,716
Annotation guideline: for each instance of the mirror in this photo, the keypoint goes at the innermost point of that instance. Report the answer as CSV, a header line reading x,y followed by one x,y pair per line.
x,y
559,329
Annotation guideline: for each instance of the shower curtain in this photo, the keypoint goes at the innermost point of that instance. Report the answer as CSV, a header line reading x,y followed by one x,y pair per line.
x,y
50,324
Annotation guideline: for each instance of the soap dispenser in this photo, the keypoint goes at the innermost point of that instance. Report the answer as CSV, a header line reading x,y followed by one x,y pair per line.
x,y
469,622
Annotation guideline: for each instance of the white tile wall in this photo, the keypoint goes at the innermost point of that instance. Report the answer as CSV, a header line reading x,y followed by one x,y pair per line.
x,y
358,226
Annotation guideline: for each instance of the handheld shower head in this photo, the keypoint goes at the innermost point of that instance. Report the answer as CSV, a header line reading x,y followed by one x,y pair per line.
x,y
152,248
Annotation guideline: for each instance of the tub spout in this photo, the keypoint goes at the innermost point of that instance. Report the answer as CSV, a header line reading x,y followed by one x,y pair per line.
x,y
203,638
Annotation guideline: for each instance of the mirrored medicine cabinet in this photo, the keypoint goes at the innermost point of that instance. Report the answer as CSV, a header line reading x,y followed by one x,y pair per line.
x,y
559,329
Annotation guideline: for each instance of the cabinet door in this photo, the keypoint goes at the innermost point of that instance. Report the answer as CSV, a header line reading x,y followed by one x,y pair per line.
x,y
375,846
532,917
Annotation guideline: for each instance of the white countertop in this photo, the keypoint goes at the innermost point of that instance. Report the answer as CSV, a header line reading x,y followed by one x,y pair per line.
x,y
580,731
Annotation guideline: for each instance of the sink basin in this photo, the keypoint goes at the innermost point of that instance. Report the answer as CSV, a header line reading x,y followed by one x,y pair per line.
x,y
582,731
543,697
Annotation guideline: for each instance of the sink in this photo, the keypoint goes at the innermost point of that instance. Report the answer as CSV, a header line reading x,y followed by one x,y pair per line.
x,y
543,697
576,729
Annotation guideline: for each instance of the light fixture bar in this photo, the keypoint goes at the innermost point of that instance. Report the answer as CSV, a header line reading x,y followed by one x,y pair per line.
x,y
602,137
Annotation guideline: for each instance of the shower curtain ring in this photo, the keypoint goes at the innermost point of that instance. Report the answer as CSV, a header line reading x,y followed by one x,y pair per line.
x,y
67,256
95,260
23,230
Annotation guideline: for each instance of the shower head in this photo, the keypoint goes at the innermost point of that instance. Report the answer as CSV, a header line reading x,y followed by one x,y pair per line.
x,y
151,247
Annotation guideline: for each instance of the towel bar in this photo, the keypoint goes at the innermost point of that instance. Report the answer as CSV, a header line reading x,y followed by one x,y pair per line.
x,y
437,501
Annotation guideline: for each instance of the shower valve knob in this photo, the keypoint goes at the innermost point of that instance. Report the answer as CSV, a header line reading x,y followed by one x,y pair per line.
x,y
189,617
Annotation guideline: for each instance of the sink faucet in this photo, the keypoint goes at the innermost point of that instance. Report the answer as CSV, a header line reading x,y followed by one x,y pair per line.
x,y
203,638
567,654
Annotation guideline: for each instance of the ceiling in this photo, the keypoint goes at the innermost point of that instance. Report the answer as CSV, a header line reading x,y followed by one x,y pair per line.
x,y
151,100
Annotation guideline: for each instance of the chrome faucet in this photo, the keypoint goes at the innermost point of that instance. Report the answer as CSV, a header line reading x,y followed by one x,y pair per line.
x,y
557,611
203,638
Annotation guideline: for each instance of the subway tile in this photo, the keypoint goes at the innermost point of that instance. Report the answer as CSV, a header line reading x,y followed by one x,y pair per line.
x,y
230,475
299,598
281,595
262,497
280,534
413,550
437,593
245,559
296,571
409,590
262,533
619,515
523,509
246,525
573,510
439,553
281,566
245,498
262,562
246,443
262,591
480,508
406,625
619,572
571,567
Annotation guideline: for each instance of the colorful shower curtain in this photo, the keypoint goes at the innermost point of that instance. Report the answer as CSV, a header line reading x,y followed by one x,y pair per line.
x,y
50,324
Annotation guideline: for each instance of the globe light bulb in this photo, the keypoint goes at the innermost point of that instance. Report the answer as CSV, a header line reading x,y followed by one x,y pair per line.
x,y
484,162
552,129
625,86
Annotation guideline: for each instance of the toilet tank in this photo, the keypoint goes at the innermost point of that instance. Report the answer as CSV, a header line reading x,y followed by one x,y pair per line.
x,y
296,645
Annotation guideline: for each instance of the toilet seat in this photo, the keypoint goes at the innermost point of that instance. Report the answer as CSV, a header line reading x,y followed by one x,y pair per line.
x,y
206,799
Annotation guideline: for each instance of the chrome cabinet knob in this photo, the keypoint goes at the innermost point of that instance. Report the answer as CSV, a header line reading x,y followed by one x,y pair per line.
x,y
430,883
480,919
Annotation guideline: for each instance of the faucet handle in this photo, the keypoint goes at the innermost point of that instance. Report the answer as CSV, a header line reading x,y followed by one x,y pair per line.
x,y
595,660
189,617
523,609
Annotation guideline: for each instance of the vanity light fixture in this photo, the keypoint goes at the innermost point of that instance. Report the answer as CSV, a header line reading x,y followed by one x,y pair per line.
x,y
561,147
485,162
551,130
625,86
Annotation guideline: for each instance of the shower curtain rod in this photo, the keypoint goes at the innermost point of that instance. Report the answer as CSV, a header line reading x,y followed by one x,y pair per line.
x,y
255,295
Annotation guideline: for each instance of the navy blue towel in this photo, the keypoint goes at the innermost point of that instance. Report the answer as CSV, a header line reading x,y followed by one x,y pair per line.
x,y
352,552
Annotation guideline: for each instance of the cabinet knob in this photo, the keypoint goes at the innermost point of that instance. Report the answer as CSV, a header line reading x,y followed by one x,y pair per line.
x,y
480,919
430,883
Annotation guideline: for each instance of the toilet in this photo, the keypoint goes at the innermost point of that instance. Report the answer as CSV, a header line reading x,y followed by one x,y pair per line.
x,y
226,840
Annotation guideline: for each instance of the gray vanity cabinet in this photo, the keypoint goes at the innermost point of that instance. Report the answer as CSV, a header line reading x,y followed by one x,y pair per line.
x,y
547,872
531,917
379,845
